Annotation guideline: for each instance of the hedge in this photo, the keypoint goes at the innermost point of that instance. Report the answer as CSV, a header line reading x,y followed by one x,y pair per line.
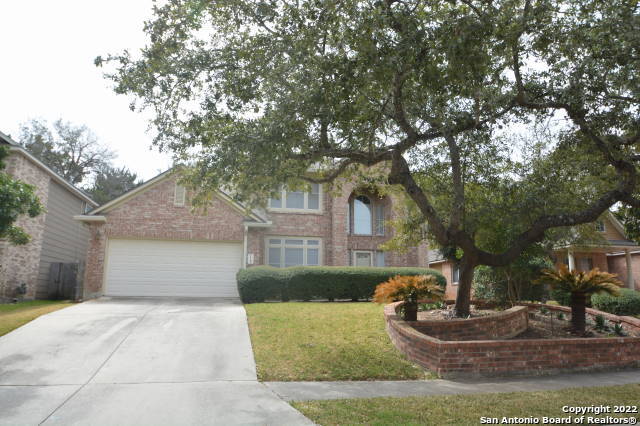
x,y
262,283
627,303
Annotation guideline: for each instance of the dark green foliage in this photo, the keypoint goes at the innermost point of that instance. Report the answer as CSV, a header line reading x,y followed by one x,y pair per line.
x,y
16,199
513,283
601,323
111,182
562,296
619,329
627,303
318,282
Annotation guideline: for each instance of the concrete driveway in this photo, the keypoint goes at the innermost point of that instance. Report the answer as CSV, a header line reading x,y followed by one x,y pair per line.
x,y
136,361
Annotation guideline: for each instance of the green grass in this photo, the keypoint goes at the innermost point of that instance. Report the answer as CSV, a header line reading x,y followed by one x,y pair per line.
x,y
465,409
15,315
325,341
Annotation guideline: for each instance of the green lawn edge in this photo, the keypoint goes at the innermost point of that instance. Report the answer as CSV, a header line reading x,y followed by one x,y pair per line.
x,y
15,315
468,409
321,341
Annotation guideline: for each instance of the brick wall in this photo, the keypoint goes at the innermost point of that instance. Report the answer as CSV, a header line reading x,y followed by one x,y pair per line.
x,y
618,265
509,357
331,226
19,264
153,215
499,326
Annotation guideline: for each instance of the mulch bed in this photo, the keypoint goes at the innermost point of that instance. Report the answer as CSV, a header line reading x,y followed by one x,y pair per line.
x,y
551,327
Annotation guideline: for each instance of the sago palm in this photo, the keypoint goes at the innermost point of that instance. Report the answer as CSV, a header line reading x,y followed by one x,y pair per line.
x,y
409,289
581,285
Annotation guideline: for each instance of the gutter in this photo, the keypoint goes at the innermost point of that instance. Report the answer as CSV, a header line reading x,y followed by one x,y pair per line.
x,y
90,218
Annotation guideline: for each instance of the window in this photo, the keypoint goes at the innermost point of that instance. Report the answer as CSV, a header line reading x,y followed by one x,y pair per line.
x,y
285,252
600,226
585,264
179,195
365,217
379,219
455,273
297,200
368,258
362,216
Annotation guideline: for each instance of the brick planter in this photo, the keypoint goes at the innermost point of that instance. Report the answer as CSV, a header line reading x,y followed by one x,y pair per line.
x,y
449,356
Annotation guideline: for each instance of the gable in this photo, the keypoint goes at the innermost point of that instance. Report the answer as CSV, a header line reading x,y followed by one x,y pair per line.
x,y
157,203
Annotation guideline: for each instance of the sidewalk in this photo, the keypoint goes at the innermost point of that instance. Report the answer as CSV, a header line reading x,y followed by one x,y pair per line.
x,y
306,391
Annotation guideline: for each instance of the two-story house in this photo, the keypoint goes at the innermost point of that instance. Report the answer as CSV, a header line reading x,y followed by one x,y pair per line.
x,y
150,242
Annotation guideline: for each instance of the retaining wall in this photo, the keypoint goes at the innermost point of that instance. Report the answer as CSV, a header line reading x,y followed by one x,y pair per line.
x,y
480,356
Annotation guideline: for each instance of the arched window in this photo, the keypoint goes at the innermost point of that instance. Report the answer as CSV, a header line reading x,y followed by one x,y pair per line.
x,y
362,216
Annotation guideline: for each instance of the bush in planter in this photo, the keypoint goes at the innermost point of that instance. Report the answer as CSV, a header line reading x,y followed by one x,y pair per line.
x,y
409,289
261,283
627,303
581,285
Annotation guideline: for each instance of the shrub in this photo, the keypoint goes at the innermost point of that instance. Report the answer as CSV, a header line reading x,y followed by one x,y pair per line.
x,y
318,282
408,289
510,284
627,303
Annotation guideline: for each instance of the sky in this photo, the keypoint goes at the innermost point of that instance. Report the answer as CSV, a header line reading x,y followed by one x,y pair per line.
x,y
47,49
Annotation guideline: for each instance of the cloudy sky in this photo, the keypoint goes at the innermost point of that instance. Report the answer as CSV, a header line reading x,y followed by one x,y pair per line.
x,y
47,50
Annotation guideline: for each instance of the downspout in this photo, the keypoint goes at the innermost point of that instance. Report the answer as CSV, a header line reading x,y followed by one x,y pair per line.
x,y
244,246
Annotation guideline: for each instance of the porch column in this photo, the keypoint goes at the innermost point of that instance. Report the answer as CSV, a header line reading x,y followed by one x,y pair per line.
x,y
630,280
572,261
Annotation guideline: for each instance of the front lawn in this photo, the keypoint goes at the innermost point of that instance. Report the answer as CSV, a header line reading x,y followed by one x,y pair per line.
x,y
325,341
467,409
18,314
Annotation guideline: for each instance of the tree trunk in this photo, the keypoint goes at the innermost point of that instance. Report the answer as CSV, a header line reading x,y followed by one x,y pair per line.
x,y
410,310
463,299
578,312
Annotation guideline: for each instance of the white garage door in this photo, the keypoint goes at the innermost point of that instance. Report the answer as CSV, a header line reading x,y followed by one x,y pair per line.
x,y
172,268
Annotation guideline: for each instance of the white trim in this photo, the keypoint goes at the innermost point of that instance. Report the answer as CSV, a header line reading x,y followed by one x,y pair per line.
x,y
616,224
54,175
258,224
89,218
304,246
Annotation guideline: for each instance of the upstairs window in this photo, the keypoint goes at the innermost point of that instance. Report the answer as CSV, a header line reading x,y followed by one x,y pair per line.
x,y
297,200
362,216
179,195
366,217
600,226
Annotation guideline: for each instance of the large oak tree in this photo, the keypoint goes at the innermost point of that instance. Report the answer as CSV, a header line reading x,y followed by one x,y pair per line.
x,y
258,93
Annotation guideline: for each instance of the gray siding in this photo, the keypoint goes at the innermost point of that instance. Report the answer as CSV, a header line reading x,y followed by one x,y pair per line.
x,y
64,239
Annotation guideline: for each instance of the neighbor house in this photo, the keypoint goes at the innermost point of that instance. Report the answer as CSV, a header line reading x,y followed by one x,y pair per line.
x,y
55,236
150,242
615,253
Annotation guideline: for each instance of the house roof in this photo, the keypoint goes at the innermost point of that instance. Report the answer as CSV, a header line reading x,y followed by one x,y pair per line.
x,y
15,147
254,216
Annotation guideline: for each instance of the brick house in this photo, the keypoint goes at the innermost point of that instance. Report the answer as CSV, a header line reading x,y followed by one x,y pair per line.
x,y
150,242
615,254
55,236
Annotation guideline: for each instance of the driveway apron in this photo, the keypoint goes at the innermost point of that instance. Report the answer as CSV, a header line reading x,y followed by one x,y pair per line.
x,y
137,361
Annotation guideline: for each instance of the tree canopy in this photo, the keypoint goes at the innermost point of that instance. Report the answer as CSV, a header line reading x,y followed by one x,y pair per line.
x,y
16,199
111,182
72,151
516,113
